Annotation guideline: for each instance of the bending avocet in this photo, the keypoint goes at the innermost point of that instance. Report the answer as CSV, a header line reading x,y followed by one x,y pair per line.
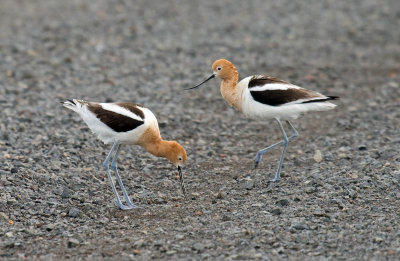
x,y
266,97
127,123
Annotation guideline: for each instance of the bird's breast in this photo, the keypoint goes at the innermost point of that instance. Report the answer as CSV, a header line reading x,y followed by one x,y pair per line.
x,y
232,96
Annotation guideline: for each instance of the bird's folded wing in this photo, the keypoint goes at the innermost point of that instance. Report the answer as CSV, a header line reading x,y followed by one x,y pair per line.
x,y
275,92
117,117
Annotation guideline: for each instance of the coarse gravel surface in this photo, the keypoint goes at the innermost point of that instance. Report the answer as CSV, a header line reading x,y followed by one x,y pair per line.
x,y
339,195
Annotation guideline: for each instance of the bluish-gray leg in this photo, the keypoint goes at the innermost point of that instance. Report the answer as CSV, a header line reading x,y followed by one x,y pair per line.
x,y
105,164
114,167
259,154
285,144
294,131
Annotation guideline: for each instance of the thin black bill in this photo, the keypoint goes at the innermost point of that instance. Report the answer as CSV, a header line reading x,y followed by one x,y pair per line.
x,y
181,181
209,78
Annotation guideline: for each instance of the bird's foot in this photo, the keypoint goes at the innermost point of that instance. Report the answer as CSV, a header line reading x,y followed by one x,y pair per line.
x,y
257,160
256,164
274,180
129,205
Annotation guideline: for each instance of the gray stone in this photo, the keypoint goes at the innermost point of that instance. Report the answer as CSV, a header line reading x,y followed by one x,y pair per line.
x,y
249,184
3,216
276,211
299,226
72,242
396,175
318,156
66,193
352,193
198,246
282,203
378,239
73,212
50,227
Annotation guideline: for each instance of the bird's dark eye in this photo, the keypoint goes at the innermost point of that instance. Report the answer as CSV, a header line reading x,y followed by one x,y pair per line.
x,y
180,158
219,68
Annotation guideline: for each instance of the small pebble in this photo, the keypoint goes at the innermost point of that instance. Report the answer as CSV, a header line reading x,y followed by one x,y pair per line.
x,y
282,203
378,239
66,193
318,156
72,242
299,226
198,246
73,212
276,211
249,184
3,216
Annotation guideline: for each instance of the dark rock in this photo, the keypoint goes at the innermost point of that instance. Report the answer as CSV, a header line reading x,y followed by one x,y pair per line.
x,y
362,148
282,203
276,211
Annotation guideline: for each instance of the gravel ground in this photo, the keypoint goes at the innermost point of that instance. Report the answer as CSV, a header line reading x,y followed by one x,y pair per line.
x,y
339,195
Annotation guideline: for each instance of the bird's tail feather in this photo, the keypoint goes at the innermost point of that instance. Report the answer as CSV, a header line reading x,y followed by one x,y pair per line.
x,y
334,97
72,104
328,98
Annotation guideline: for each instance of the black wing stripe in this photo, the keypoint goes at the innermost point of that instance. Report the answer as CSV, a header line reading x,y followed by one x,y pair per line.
x,y
116,121
279,97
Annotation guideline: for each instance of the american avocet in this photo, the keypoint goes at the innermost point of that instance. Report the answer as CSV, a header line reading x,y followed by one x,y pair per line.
x,y
266,97
127,123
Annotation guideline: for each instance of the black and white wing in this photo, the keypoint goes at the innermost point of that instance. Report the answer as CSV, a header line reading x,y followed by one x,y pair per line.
x,y
120,117
275,92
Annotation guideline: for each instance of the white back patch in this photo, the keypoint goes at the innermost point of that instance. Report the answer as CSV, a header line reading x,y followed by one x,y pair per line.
x,y
273,86
120,110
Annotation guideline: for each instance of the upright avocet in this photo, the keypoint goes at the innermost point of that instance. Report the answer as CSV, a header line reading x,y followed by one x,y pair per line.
x,y
127,123
266,97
